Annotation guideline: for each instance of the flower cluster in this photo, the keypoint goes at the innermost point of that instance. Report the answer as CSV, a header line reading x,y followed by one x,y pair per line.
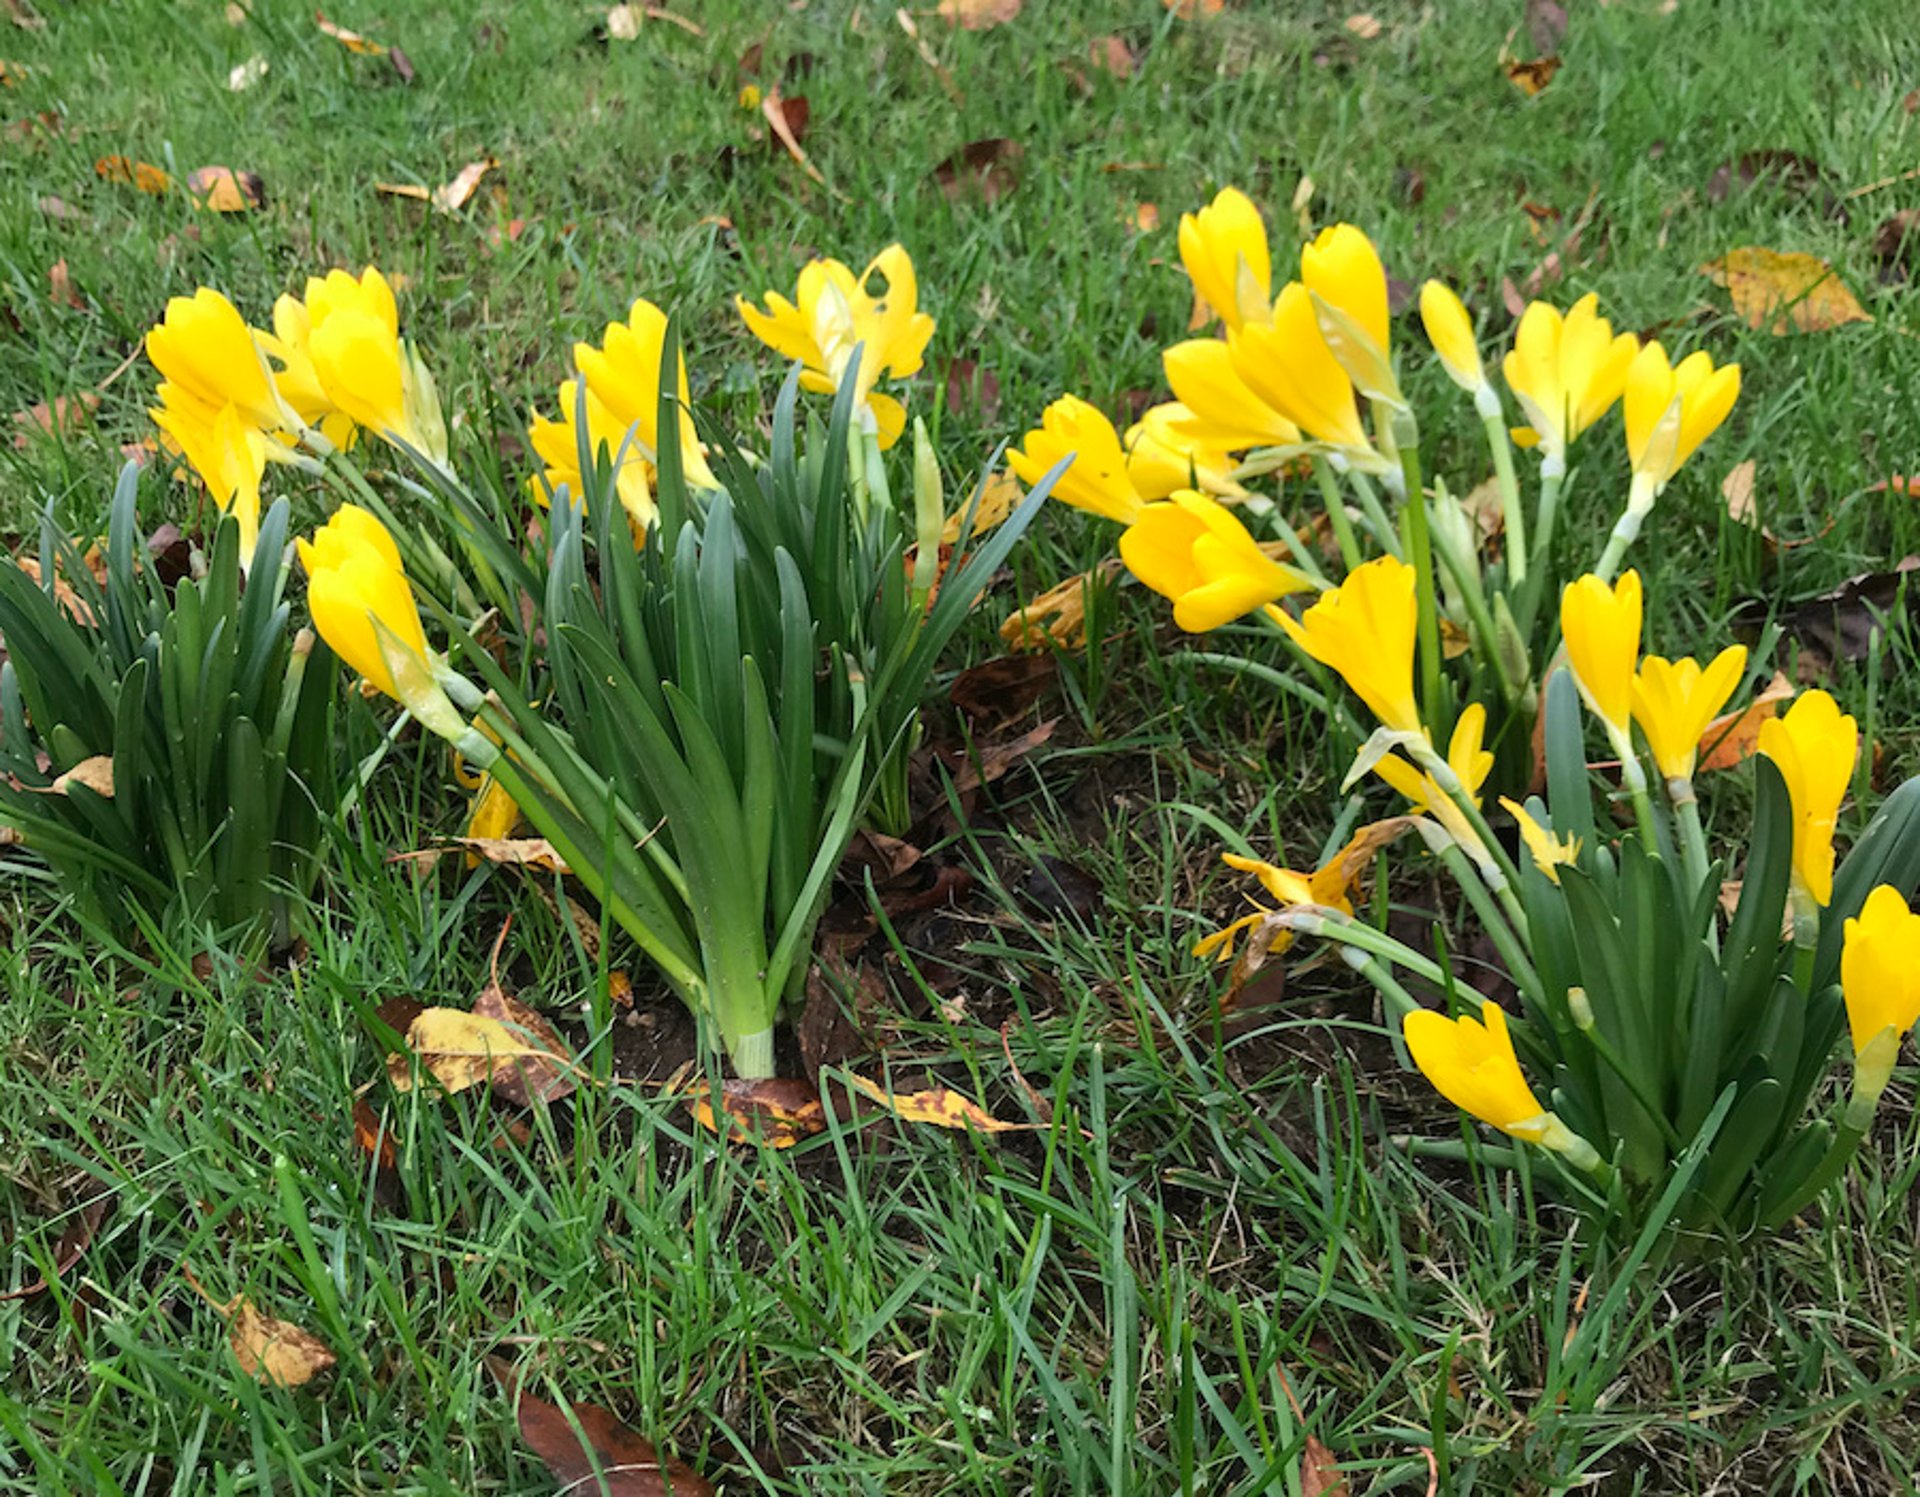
x,y
233,398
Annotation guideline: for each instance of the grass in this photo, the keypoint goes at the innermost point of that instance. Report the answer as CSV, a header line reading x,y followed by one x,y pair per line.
x,y
1216,1222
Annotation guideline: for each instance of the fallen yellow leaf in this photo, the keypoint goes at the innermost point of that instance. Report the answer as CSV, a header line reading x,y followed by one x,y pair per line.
x,y
1531,76
777,1112
453,197
221,189
353,41
459,1050
978,15
998,495
142,174
1784,291
275,1351
937,1105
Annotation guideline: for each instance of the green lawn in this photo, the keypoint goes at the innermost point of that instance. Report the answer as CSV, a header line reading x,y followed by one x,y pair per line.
x,y
1209,1246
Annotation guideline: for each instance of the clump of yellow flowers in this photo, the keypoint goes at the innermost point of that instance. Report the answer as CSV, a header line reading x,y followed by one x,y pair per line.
x,y
1303,379
720,659
1664,1049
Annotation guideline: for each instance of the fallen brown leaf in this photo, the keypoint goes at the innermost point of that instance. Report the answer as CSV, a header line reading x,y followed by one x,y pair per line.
x,y
787,118
514,852
274,1351
63,416
988,169
453,197
1365,26
70,1248
601,1454
1731,739
978,15
1546,23
353,41
1532,75
1195,10
141,174
777,1112
1111,54
1784,292
1838,625
1003,688
95,773
61,290
220,189
544,1074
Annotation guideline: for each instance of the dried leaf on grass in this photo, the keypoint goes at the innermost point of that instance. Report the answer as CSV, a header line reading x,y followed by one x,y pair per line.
x,y
787,118
63,416
1001,689
1057,618
777,1112
991,761
1731,739
547,1074
1530,75
1784,292
141,174
1841,624
353,41
988,169
221,189
515,852
594,1452
978,15
95,774
70,1248
460,1049
274,1351
450,197
937,1106
61,290
1737,490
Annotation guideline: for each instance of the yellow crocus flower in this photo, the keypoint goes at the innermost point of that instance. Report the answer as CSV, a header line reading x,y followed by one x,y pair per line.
x,y
557,444
1288,366
1470,762
363,607
228,453
348,328
1549,853
1566,372
1450,330
1472,1064
1879,974
204,349
1675,701
833,313
1813,745
1193,552
1224,248
1162,457
623,374
1097,480
1601,627
1344,277
1670,410
1226,413
1364,630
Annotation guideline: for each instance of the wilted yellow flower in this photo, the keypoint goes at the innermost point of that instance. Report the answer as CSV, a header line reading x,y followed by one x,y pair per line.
x,y
1549,853
1566,372
1814,746
1671,410
1364,630
228,453
347,332
1675,702
1097,480
363,606
208,357
1225,412
1880,968
1326,887
1450,330
1344,277
1161,457
1601,626
1057,616
833,313
1195,553
494,814
1472,1064
1287,364
1224,247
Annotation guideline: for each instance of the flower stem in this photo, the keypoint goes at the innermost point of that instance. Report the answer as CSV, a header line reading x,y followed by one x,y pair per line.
x,y
1514,515
1336,506
1378,521
1420,555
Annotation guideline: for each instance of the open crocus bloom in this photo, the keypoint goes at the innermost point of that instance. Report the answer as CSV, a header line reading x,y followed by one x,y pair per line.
x,y
833,313
1676,701
1364,630
228,453
1566,371
1224,248
1671,410
1097,480
1814,745
1193,552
